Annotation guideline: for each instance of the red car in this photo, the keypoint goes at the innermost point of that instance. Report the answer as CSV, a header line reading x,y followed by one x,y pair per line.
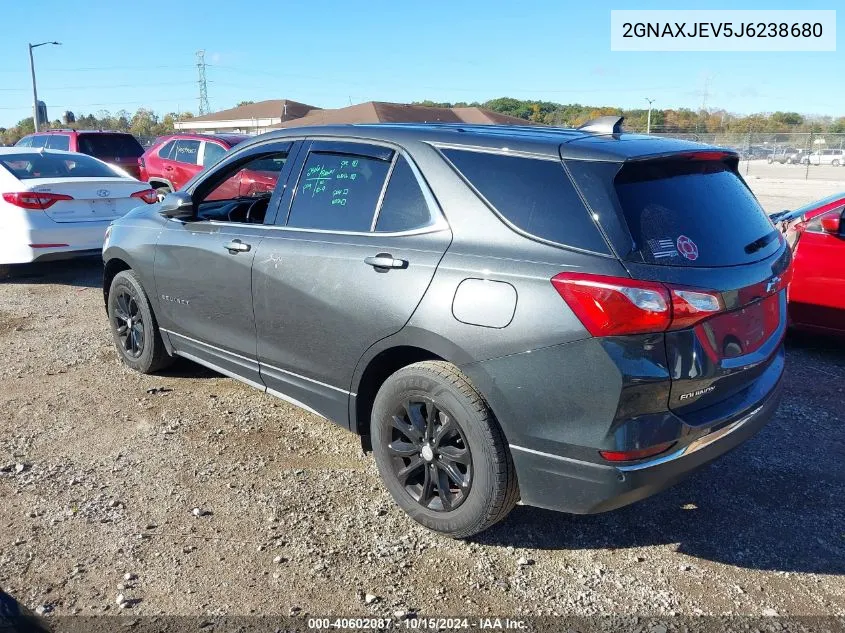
x,y
816,294
173,160
116,148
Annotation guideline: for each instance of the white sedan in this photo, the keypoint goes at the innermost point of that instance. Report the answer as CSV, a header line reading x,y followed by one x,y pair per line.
x,y
55,205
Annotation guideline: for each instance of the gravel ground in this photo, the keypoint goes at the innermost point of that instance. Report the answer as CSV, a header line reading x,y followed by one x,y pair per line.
x,y
190,493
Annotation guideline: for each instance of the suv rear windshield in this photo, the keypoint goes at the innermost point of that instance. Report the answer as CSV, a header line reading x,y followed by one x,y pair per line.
x,y
685,212
110,145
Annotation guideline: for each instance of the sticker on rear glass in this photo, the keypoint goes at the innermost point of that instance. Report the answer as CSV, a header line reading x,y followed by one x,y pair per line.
x,y
662,248
687,248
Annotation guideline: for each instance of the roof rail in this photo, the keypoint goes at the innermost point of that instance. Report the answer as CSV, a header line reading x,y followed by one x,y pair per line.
x,y
604,125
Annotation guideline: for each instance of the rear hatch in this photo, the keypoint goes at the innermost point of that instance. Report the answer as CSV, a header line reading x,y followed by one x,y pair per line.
x,y
119,149
689,222
92,199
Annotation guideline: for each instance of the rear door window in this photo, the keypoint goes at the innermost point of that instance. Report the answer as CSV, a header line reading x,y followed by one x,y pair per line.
x,y
533,195
338,192
110,146
685,212
186,151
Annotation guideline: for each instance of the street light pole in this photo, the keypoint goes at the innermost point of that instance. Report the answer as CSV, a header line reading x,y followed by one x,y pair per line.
x,y
34,90
648,124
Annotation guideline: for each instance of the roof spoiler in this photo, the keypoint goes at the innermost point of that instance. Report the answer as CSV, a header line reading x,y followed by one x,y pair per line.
x,y
604,125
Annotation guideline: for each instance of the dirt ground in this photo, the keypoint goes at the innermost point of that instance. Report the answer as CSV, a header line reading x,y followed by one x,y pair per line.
x,y
103,473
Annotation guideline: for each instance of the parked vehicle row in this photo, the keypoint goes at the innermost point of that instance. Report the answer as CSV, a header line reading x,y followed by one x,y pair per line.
x,y
120,149
500,313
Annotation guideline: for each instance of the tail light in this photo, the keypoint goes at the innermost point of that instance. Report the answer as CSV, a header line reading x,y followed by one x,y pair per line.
x,y
614,306
150,196
38,200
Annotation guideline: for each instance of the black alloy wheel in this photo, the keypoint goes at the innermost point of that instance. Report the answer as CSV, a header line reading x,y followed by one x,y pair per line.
x,y
129,324
430,456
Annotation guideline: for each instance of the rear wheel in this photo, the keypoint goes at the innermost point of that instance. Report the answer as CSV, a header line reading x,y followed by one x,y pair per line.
x,y
133,325
162,191
835,162
440,451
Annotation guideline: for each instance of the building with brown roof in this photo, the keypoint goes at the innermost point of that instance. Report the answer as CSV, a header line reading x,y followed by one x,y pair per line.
x,y
384,112
252,118
255,118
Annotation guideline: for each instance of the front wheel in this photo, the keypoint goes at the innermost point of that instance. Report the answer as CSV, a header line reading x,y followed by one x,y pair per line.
x,y
835,163
133,325
440,451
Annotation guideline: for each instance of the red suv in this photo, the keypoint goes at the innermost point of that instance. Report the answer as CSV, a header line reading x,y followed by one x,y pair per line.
x,y
117,148
173,160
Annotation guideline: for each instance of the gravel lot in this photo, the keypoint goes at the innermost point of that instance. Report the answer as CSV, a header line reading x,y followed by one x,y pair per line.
x,y
190,493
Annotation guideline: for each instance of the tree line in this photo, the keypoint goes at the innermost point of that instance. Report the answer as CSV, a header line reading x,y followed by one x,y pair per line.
x,y
669,120
145,122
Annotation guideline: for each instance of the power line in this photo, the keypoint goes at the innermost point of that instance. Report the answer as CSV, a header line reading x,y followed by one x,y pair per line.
x,y
132,85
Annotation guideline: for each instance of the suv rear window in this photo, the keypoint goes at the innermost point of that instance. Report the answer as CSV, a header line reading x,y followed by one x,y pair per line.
x,y
684,212
533,195
109,145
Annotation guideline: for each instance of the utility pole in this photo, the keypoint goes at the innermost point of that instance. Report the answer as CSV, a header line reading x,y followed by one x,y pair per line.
x,y
34,90
203,107
648,128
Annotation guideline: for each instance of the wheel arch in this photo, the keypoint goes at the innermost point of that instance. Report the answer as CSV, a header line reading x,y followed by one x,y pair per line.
x,y
112,267
389,355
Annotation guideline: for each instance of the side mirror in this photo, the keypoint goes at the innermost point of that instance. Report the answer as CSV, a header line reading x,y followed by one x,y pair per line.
x,y
832,224
177,205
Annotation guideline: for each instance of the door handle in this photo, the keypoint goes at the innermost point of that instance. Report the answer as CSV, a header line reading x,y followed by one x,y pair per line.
x,y
236,246
168,168
385,261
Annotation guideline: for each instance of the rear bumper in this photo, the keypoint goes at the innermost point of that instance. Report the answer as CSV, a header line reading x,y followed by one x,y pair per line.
x,y
75,238
581,487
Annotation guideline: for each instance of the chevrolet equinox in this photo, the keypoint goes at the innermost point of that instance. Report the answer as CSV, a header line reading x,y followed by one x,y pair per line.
x,y
573,318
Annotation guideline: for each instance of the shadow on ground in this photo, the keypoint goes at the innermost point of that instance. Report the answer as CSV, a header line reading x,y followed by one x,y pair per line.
x,y
83,272
775,503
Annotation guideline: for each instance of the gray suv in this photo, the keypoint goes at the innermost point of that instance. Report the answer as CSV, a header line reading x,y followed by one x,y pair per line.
x,y
573,318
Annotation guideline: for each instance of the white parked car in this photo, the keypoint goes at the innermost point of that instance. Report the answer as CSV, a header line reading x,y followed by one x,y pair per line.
x,y
55,205
835,157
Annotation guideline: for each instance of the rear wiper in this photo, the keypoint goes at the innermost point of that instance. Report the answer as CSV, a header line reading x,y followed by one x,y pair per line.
x,y
757,244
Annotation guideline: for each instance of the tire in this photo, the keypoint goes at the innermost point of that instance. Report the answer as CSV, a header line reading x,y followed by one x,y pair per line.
x,y
835,163
5,271
484,489
770,160
141,348
788,161
163,191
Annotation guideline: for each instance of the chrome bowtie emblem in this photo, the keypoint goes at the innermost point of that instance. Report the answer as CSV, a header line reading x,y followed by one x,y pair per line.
x,y
103,193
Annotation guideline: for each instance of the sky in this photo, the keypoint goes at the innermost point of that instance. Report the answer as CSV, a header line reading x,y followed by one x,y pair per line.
x,y
332,53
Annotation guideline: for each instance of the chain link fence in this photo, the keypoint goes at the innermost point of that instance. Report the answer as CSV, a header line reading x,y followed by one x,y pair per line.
x,y
804,155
